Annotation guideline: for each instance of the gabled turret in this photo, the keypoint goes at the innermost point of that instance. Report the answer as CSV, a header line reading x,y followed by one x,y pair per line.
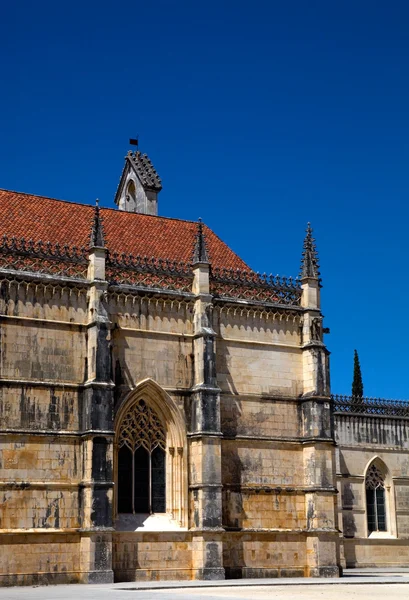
x,y
139,185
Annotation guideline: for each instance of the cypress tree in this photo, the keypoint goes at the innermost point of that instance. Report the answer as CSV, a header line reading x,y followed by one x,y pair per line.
x,y
357,385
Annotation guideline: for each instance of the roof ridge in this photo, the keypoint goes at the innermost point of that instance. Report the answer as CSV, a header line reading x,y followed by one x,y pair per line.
x,y
116,210
122,212
46,197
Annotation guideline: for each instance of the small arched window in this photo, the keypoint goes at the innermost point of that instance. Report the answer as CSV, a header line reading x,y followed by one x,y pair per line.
x,y
131,193
141,461
375,499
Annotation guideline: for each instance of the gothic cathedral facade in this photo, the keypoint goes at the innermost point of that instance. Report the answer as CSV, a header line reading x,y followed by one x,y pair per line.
x,y
166,413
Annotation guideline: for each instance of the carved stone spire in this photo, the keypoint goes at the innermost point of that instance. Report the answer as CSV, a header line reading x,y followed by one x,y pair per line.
x,y
309,262
97,233
200,254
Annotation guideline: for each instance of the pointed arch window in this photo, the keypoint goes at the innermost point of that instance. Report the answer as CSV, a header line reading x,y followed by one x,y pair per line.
x,y
131,194
375,499
141,461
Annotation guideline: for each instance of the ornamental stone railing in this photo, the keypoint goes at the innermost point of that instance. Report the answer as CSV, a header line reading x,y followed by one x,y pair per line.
x,y
20,254
142,271
248,285
370,406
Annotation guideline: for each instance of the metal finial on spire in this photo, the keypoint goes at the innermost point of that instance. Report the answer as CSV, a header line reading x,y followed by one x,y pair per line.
x,y
200,254
309,262
97,232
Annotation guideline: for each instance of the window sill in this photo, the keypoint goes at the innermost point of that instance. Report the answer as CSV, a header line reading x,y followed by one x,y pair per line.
x,y
146,522
385,535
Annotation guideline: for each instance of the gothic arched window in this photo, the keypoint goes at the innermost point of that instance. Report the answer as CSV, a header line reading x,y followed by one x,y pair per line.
x,y
131,194
375,499
141,461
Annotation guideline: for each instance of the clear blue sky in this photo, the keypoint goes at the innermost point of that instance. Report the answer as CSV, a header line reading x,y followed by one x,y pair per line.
x,y
259,116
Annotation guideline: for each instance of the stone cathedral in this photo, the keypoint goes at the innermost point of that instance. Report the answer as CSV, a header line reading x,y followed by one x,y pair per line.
x,y
166,413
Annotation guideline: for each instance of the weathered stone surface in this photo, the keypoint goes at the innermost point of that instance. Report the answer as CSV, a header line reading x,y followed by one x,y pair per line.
x,y
253,458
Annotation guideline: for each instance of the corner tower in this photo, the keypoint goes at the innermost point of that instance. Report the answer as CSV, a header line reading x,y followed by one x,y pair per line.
x,y
139,185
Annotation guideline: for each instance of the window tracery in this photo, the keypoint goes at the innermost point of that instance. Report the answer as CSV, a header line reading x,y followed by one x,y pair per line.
x,y
375,499
374,478
141,461
141,427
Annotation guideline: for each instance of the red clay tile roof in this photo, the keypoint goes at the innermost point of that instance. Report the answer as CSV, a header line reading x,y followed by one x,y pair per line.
x,y
50,220
39,218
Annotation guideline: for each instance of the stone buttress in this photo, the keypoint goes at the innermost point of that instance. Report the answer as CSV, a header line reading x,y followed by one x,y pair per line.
x,y
205,434
97,424
317,427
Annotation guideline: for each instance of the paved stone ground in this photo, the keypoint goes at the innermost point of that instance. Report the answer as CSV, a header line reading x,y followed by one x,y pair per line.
x,y
355,585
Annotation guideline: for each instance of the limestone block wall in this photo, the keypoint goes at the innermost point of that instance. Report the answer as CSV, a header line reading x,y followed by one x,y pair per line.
x,y
247,368
277,486
39,492
42,355
255,416
43,339
42,351
152,556
27,458
166,359
264,509
258,352
262,462
362,439
265,554
39,558
40,507
262,485
38,407
376,552
152,338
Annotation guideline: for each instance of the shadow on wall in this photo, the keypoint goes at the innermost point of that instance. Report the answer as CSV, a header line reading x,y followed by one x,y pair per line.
x,y
223,361
348,518
232,501
347,503
121,374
